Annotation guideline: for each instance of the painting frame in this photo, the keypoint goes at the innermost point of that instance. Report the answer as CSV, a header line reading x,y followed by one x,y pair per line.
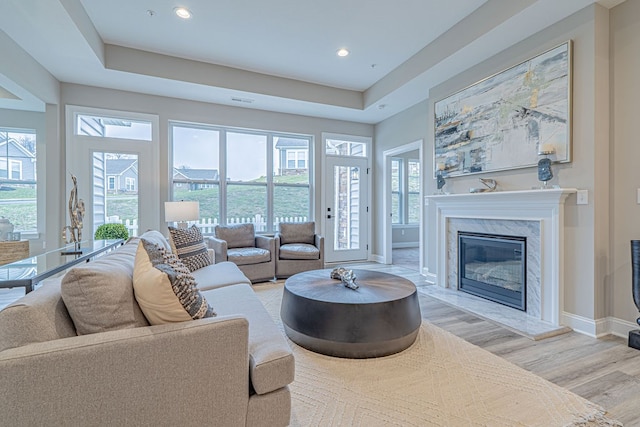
x,y
507,120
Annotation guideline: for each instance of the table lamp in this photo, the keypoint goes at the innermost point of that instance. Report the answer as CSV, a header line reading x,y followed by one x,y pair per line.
x,y
181,212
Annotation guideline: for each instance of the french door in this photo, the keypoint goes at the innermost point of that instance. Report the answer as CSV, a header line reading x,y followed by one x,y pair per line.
x,y
346,212
118,175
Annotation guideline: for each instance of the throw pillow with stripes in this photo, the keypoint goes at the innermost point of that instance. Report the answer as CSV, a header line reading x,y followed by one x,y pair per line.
x,y
190,247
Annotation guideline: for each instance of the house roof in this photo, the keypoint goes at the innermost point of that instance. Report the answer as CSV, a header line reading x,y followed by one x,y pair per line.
x,y
291,143
119,166
197,174
19,146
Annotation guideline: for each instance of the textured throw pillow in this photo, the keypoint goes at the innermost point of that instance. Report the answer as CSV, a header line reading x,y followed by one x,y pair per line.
x,y
164,288
190,248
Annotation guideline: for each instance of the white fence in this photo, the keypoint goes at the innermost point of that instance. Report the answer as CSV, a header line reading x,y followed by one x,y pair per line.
x,y
207,225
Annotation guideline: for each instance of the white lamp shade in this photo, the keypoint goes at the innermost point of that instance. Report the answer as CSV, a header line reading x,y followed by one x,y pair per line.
x,y
181,211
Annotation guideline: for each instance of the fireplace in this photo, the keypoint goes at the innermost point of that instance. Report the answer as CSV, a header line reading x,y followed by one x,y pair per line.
x,y
493,267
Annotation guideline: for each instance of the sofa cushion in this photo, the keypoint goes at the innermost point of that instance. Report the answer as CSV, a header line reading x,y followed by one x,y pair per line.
x,y
271,361
244,256
299,251
165,288
236,235
297,232
217,275
38,316
99,294
189,246
156,237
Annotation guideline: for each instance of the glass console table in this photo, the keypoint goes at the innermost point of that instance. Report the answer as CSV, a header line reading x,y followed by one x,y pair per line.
x,y
29,271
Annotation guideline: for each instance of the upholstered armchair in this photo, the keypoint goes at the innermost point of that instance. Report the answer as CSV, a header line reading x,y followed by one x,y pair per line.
x,y
298,248
253,254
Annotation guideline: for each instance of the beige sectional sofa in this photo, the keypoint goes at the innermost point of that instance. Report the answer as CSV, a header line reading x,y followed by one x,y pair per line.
x,y
78,351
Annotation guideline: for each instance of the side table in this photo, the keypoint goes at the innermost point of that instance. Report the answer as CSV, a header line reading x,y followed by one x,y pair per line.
x,y
11,251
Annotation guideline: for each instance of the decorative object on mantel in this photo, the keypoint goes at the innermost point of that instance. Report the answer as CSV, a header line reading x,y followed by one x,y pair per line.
x,y
440,182
498,123
489,185
347,277
6,228
544,164
73,233
634,336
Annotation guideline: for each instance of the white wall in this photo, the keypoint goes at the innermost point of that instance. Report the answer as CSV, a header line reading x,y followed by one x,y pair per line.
x,y
586,226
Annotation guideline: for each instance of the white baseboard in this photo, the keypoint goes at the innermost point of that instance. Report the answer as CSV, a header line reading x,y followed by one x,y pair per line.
x,y
376,258
621,328
400,245
600,327
429,277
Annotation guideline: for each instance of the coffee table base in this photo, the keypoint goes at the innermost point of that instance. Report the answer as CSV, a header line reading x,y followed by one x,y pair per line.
x,y
352,350
380,318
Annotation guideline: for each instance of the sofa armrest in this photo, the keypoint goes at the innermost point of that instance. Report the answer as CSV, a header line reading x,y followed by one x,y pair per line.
x,y
276,239
266,242
165,374
219,248
319,243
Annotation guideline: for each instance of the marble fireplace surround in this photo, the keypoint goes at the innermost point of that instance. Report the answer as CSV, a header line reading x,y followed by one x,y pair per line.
x,y
537,215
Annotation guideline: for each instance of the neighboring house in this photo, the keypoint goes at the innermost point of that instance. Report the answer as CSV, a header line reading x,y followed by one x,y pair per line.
x,y
293,155
195,179
17,164
122,175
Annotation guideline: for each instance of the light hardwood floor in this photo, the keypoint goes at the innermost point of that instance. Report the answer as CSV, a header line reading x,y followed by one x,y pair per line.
x,y
605,371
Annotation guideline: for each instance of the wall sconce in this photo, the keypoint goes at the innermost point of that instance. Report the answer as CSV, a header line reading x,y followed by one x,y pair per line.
x,y
181,212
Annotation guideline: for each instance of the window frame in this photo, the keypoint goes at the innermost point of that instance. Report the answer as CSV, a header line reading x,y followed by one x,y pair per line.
x,y
403,191
271,185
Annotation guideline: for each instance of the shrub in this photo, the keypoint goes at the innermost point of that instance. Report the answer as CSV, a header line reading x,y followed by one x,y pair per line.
x,y
111,231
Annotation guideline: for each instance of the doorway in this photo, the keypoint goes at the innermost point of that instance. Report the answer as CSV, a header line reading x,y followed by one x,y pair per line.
x,y
408,249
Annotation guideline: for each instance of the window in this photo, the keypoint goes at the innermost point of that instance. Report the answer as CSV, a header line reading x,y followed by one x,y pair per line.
x,y
111,183
340,147
113,127
405,191
241,176
18,202
130,184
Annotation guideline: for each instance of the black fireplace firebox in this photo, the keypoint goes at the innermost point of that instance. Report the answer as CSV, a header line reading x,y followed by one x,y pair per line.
x,y
493,267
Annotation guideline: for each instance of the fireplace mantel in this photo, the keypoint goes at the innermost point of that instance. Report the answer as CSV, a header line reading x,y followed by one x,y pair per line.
x,y
544,206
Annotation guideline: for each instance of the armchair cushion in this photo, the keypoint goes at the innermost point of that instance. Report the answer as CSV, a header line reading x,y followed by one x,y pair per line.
x,y
299,251
236,235
297,232
244,256
165,288
190,248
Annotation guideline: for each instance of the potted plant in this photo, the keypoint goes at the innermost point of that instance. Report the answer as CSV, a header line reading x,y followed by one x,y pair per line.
x,y
111,231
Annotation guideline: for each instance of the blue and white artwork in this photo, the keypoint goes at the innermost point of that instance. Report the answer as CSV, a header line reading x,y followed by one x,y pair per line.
x,y
506,120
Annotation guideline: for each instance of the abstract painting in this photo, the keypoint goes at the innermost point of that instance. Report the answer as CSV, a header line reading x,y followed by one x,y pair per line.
x,y
505,120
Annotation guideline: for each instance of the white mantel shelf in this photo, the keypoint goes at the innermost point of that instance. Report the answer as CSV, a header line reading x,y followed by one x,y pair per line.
x,y
550,195
545,206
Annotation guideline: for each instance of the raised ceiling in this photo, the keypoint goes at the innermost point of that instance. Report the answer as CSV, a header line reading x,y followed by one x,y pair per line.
x,y
277,55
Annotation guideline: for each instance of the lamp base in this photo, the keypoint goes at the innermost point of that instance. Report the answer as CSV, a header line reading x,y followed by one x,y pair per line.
x,y
182,225
634,339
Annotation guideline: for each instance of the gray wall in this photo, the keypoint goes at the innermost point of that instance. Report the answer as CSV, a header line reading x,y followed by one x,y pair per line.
x,y
586,226
625,153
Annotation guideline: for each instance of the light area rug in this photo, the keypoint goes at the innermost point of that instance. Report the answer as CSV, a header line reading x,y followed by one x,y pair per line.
x,y
441,380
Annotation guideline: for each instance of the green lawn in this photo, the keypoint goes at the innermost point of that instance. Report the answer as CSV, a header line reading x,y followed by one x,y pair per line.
x,y
245,201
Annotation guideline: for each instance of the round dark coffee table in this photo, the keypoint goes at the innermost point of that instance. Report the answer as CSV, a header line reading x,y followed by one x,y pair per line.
x,y
379,318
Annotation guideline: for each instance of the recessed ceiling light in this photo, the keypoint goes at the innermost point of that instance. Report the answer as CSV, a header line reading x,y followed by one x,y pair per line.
x,y
182,12
342,52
